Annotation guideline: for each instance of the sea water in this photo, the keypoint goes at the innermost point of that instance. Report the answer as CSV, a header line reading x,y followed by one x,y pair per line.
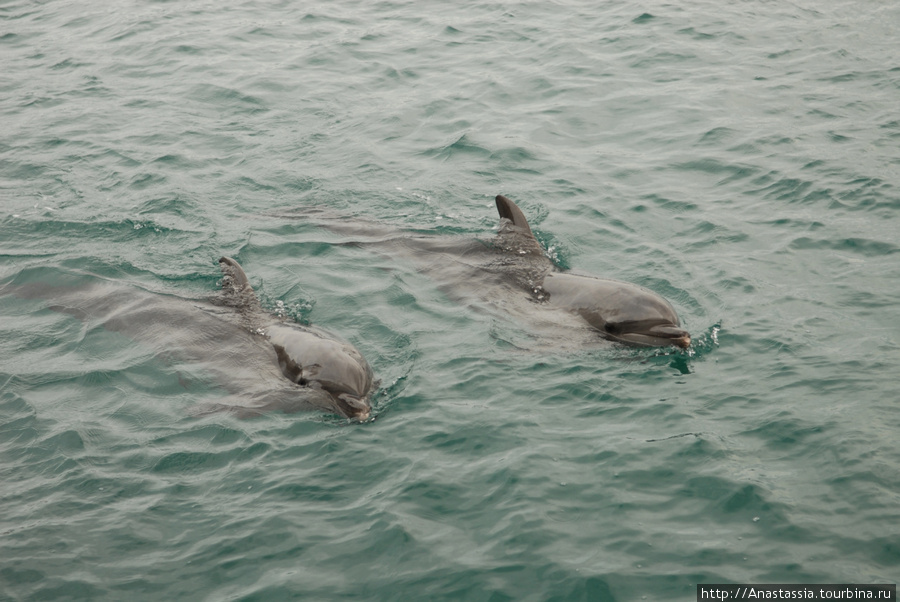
x,y
742,159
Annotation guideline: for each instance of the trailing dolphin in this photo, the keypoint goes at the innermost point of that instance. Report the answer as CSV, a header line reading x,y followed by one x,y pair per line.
x,y
510,272
263,362
333,373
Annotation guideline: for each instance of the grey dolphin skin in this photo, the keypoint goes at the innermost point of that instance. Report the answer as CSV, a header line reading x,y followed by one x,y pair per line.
x,y
619,311
511,272
310,357
263,362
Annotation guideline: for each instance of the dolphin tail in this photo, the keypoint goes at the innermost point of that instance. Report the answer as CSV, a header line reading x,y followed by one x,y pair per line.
x,y
509,210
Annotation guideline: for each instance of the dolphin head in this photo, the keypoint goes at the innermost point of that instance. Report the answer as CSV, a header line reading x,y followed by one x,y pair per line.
x,y
346,383
328,368
353,406
620,311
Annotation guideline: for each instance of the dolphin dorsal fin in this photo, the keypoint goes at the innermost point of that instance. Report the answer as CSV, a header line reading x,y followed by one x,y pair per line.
x,y
232,268
237,290
509,210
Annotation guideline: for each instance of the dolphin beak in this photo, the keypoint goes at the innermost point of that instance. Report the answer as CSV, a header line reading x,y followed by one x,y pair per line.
x,y
355,407
674,335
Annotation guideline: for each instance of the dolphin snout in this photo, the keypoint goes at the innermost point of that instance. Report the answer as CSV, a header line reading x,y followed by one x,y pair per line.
x,y
354,407
673,335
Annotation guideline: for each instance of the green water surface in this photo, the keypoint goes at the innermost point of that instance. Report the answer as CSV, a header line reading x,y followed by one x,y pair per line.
x,y
742,159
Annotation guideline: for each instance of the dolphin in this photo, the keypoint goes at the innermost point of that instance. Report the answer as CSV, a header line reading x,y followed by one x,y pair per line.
x,y
512,272
263,362
325,366
619,311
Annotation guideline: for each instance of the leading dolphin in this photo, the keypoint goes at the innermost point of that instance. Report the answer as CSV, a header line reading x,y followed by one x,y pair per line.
x,y
619,311
511,272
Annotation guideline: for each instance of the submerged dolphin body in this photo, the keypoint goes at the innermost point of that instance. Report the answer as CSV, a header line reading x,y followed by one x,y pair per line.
x,y
228,339
512,273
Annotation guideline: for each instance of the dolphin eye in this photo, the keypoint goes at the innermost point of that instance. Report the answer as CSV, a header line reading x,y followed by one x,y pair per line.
x,y
612,328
